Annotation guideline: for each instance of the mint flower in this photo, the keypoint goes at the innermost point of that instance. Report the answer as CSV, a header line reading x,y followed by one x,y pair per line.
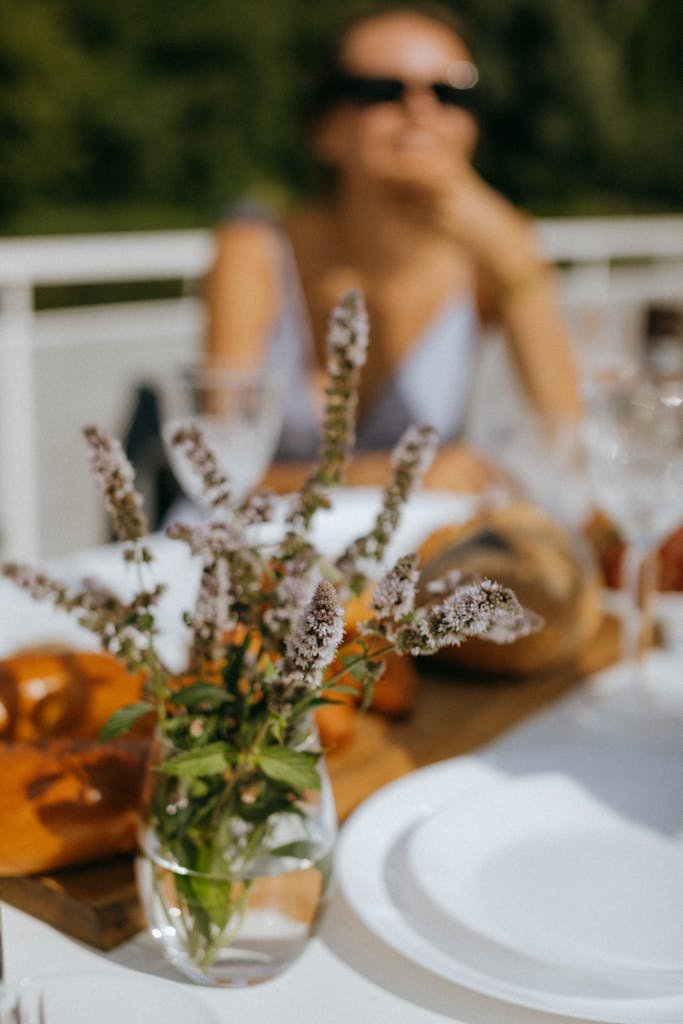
x,y
483,609
410,459
347,343
211,618
192,443
394,595
114,474
347,338
313,646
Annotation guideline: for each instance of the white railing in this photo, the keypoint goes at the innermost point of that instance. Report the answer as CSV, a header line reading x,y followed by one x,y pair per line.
x,y
53,361
26,264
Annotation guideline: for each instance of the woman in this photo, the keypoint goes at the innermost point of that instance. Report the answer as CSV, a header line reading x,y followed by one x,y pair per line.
x,y
409,221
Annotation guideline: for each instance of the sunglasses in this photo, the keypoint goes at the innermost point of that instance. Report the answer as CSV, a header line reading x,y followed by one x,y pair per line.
x,y
366,91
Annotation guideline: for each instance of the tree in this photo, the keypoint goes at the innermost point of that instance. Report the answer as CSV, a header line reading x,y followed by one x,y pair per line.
x,y
150,114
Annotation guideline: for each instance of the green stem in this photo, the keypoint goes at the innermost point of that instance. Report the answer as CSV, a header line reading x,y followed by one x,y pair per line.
x,y
365,656
154,667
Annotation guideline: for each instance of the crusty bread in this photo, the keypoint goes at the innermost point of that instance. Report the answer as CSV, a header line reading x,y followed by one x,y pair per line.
x,y
65,798
65,802
50,692
550,570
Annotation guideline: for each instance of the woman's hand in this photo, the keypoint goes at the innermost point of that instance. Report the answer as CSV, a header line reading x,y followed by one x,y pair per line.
x,y
450,197
453,199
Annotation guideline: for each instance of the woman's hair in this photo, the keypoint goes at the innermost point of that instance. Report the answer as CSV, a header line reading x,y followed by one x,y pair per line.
x,y
323,93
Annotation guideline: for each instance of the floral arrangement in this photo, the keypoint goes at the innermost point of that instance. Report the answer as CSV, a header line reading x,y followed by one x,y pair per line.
x,y
235,729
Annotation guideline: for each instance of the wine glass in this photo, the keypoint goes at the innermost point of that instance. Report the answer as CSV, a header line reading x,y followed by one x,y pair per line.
x,y
545,464
634,444
240,414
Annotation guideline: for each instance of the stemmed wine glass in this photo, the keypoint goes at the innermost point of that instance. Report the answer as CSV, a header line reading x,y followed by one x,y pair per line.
x,y
634,444
239,412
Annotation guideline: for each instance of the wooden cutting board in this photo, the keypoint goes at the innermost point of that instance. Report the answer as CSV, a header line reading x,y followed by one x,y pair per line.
x,y
98,904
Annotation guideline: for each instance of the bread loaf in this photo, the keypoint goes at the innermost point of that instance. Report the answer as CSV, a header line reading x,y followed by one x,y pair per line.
x,y
65,798
550,570
48,693
65,802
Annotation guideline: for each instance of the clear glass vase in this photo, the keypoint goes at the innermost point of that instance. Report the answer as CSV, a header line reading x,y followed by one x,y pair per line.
x,y
251,914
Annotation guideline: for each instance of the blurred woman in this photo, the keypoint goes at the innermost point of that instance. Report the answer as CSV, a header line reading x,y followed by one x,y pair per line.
x,y
410,222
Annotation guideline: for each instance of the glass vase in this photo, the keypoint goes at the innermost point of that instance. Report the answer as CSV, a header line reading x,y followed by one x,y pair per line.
x,y
233,905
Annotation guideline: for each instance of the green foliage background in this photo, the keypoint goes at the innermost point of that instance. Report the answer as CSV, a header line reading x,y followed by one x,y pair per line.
x,y
156,113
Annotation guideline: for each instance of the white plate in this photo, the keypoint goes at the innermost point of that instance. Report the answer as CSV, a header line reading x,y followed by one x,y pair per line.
x,y
375,876
541,866
107,998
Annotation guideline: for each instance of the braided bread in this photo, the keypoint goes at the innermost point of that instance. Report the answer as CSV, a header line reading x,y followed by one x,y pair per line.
x,y
65,798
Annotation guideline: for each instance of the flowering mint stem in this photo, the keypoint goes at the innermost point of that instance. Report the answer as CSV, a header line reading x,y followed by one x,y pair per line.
x,y
190,440
410,460
347,342
115,476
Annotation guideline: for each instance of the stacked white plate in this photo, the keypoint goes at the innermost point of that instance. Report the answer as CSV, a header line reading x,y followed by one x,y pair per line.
x,y
525,888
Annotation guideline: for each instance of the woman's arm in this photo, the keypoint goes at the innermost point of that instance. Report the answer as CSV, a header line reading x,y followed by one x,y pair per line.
x,y
529,310
523,290
505,249
241,294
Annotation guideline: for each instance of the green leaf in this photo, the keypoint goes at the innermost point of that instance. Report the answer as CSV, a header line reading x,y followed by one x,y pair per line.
x,y
209,900
201,693
177,724
234,660
124,719
324,865
356,666
300,849
198,789
269,672
278,729
212,759
342,688
375,669
295,768
214,896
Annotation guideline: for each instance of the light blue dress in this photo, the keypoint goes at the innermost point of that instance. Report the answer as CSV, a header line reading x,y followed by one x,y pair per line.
x,y
430,385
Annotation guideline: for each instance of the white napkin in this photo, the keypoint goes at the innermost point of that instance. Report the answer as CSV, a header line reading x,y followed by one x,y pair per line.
x,y
25,622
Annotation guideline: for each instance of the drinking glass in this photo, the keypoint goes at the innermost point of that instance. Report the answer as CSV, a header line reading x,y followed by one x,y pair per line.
x,y
238,411
545,461
634,443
